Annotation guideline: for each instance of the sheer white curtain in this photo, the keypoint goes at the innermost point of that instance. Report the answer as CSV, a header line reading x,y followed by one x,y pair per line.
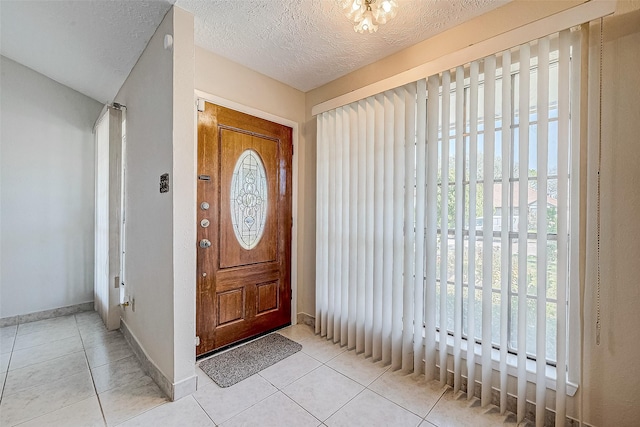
x,y
444,222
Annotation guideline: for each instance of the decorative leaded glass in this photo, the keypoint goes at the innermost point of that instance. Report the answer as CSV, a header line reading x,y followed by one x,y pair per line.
x,y
248,199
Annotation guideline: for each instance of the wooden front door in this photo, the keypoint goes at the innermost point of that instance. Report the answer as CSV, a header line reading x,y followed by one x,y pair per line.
x,y
244,227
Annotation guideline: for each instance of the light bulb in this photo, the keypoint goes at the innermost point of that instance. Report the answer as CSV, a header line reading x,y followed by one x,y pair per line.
x,y
385,11
366,24
356,5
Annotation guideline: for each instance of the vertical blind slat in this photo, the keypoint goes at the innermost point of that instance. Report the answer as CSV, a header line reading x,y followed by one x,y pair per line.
x,y
574,279
541,297
388,243
459,236
369,220
563,198
523,163
378,227
361,221
421,197
409,227
487,225
343,228
320,228
473,180
333,212
505,226
444,226
433,87
398,225
350,320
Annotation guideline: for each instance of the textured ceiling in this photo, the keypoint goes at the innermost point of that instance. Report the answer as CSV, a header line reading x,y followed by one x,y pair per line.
x,y
307,43
90,46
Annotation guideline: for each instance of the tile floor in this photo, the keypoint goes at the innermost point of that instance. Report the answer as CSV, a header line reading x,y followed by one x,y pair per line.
x,y
69,371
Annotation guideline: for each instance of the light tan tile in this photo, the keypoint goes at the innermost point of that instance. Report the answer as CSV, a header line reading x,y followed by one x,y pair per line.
x,y
52,325
203,379
123,403
99,337
37,338
6,343
357,367
371,409
323,391
45,352
297,332
427,424
88,327
290,369
117,374
321,349
45,372
8,331
4,362
86,413
36,401
410,391
115,349
274,411
88,318
222,404
454,410
184,412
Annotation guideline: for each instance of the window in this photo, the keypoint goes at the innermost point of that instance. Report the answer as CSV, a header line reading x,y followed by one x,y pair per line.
x,y
505,182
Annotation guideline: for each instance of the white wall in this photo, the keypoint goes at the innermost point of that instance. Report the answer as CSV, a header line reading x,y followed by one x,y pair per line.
x,y
148,96
160,227
184,197
46,192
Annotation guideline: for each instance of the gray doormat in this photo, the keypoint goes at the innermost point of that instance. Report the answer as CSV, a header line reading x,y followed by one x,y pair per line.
x,y
239,363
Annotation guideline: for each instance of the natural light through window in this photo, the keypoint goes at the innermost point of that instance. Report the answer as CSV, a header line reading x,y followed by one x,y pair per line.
x,y
513,211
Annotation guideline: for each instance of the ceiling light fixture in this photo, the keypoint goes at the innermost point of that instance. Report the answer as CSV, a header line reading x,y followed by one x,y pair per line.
x,y
368,14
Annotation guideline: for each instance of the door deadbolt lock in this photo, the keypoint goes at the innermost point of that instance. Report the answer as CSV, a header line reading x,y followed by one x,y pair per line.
x,y
205,243
204,206
204,223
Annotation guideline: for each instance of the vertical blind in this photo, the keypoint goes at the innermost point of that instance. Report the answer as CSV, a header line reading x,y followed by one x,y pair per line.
x,y
444,222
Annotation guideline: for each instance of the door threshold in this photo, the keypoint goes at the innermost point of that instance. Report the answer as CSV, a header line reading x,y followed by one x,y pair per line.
x,y
239,343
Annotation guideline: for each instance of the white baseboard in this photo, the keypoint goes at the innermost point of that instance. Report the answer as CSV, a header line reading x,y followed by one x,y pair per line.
x,y
46,314
306,319
174,391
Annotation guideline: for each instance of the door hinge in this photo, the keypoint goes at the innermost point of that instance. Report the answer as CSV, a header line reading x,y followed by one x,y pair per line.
x,y
197,341
200,104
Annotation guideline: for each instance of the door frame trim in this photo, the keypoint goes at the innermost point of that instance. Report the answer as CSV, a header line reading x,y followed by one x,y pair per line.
x,y
223,102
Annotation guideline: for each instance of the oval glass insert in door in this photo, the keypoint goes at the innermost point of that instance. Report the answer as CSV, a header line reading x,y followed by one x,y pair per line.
x,y
248,199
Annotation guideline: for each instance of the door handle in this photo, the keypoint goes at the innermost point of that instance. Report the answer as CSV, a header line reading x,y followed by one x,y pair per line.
x,y
205,243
